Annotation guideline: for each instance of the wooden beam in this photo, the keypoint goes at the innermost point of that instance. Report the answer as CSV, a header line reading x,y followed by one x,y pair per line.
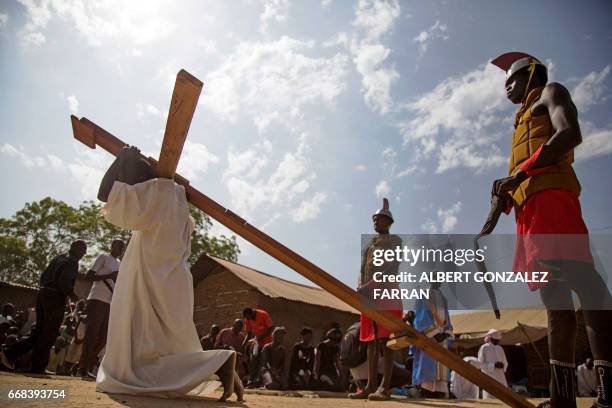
x,y
322,278
185,97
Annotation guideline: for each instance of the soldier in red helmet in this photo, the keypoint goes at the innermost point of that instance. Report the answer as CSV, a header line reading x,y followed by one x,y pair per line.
x,y
543,190
370,332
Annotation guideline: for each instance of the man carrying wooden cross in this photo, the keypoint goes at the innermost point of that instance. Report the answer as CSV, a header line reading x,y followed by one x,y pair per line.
x,y
153,346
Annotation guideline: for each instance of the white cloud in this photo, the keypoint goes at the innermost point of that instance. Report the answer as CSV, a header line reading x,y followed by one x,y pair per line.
x,y
448,217
143,109
73,104
195,160
28,160
595,142
429,227
446,222
86,168
258,185
458,121
389,152
382,188
326,3
373,19
407,171
3,19
32,40
98,21
273,10
273,81
309,209
376,17
591,89
424,38
209,46
360,167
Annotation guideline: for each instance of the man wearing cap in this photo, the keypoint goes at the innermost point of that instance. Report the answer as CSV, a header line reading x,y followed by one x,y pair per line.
x,y
371,333
492,359
543,189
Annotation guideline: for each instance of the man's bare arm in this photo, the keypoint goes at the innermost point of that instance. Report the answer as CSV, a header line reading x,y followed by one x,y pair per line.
x,y
564,118
91,276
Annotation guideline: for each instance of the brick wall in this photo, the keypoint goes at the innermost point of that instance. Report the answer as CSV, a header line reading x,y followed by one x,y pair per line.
x,y
220,298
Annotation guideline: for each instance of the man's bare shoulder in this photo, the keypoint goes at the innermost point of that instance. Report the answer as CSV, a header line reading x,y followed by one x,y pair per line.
x,y
555,94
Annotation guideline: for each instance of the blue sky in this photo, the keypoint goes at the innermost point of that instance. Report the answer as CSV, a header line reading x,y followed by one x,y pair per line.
x,y
311,111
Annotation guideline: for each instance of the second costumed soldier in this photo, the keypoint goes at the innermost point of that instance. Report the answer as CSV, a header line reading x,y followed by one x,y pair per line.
x,y
371,333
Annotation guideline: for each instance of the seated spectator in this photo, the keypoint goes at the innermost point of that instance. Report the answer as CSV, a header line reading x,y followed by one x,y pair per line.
x,y
18,320
13,330
75,348
232,338
56,357
327,353
587,379
302,362
29,321
11,339
4,327
208,341
273,361
8,309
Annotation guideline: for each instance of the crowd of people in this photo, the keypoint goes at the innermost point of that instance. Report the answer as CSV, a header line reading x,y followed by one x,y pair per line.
x,y
63,334
262,354
339,361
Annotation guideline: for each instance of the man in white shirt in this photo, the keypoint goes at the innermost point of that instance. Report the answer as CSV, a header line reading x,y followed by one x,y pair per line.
x,y
493,359
587,379
103,274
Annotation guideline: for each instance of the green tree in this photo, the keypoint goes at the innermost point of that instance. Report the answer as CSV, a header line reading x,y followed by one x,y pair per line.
x,y
203,242
42,229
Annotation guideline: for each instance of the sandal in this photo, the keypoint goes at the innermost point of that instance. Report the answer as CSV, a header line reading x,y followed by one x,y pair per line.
x,y
379,395
363,394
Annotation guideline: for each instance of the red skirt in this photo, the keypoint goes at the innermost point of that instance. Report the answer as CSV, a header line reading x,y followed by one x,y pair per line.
x,y
546,214
370,330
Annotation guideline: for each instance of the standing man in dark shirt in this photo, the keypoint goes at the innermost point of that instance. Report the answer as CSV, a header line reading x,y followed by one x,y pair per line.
x,y
56,285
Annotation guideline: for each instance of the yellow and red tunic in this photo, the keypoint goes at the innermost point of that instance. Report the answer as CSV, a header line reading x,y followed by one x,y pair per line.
x,y
546,203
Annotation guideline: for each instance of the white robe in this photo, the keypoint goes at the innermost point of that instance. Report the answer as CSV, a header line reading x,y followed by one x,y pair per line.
x,y
153,347
488,355
462,388
587,380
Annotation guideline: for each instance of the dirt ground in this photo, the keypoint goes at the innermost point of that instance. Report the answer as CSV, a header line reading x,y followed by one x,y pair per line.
x,y
82,394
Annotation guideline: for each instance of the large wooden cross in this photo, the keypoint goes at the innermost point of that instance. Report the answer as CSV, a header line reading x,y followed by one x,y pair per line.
x,y
182,107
